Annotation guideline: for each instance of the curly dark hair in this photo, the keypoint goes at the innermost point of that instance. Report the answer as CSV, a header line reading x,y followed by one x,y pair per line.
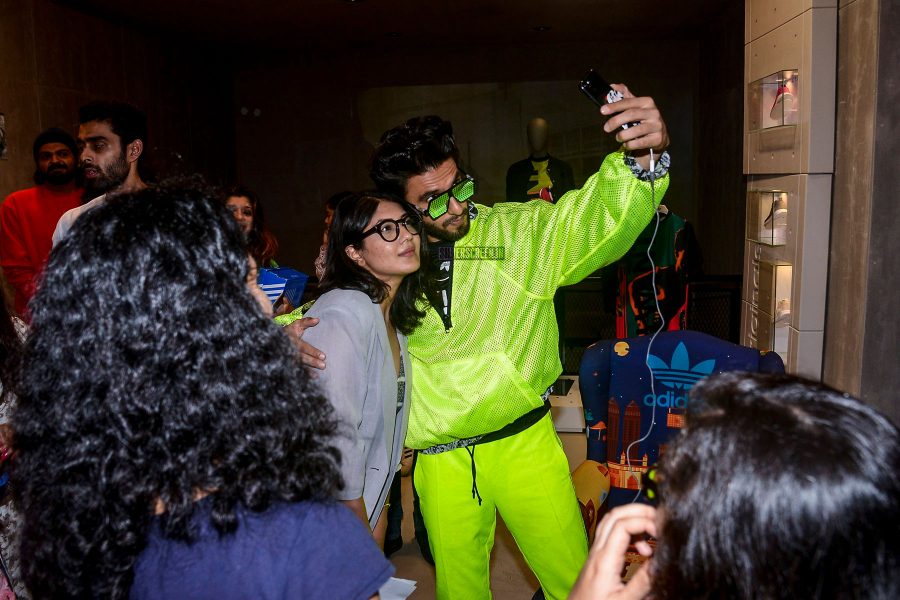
x,y
779,487
152,376
262,243
410,149
10,350
350,219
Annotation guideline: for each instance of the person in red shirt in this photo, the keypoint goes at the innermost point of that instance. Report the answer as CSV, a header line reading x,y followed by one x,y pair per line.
x,y
28,217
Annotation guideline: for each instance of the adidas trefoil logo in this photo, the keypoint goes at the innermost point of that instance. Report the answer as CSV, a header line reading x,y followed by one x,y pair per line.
x,y
680,374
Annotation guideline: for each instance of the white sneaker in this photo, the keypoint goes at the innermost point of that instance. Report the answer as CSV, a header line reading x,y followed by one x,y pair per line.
x,y
782,312
774,229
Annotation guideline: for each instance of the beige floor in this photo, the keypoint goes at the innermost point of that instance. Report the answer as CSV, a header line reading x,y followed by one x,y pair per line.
x,y
510,577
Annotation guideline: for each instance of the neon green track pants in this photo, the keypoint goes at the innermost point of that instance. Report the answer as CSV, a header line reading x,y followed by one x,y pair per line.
x,y
526,478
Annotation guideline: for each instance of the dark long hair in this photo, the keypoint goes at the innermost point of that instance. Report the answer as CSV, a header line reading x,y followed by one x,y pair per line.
x,y
151,375
10,349
262,243
779,488
350,219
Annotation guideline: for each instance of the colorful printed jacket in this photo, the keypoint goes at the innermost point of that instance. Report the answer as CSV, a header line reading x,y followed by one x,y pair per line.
x,y
502,353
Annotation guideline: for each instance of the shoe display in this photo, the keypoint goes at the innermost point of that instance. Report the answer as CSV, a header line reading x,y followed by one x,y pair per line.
x,y
774,228
784,104
782,312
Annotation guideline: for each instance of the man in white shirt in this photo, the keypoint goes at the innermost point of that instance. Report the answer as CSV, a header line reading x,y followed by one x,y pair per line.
x,y
111,137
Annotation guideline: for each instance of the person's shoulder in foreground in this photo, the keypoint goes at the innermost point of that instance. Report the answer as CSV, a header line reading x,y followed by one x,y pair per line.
x,y
301,550
70,216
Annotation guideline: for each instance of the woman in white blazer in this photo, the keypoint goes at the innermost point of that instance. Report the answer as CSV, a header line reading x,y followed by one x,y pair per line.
x,y
372,283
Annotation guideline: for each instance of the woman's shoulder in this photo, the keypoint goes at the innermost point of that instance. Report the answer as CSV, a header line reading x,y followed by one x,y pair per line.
x,y
339,300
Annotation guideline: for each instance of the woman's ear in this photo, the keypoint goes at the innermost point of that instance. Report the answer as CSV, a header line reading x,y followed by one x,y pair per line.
x,y
355,256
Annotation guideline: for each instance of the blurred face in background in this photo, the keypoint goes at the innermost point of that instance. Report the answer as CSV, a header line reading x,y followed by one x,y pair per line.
x,y
57,163
242,211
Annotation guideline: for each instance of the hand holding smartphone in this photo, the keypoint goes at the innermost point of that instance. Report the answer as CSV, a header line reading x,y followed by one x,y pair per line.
x,y
600,92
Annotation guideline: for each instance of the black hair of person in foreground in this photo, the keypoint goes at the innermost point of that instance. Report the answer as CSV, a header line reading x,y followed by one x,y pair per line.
x,y
776,488
153,378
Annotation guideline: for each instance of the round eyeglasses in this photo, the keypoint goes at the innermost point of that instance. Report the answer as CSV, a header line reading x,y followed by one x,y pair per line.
x,y
389,229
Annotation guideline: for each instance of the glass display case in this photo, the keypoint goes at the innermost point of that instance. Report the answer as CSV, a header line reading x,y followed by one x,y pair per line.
x,y
767,217
773,101
774,307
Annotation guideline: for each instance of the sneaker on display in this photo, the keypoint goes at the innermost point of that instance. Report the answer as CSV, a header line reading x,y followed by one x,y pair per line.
x,y
784,104
782,312
774,228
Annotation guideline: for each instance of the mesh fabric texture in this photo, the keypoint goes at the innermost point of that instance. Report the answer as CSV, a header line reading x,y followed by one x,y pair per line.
x,y
502,352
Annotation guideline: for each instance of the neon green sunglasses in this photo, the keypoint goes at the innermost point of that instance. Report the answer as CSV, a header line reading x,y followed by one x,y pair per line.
x,y
462,190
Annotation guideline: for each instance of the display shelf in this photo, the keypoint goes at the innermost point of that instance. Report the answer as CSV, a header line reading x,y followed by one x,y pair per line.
x,y
774,100
767,216
771,311
789,95
789,157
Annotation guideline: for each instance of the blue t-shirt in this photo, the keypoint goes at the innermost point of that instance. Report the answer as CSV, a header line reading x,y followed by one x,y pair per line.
x,y
302,550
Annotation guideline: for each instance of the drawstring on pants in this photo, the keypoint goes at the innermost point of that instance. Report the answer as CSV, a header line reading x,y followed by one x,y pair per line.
x,y
471,451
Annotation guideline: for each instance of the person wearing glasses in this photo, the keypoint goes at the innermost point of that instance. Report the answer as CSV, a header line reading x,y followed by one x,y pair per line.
x,y
372,284
777,487
485,358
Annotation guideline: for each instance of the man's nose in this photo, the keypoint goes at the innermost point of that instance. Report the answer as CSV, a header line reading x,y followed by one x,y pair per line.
x,y
455,207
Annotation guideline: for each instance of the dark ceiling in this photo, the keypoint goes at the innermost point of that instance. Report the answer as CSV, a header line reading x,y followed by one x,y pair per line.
x,y
336,24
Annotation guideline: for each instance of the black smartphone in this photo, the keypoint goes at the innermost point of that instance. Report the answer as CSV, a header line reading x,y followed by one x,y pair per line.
x,y
596,88
599,91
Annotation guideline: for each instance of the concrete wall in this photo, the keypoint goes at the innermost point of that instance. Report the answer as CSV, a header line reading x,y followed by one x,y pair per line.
x,y
862,335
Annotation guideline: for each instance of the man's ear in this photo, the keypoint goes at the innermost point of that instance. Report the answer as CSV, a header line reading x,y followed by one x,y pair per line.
x,y
134,150
355,256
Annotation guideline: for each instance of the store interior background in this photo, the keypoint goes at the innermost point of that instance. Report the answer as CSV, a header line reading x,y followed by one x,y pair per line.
x,y
289,97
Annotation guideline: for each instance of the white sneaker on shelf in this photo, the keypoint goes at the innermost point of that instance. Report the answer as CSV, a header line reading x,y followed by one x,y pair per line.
x,y
782,312
774,229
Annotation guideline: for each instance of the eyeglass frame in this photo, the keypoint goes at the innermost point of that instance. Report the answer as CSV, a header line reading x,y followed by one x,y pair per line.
x,y
431,198
405,221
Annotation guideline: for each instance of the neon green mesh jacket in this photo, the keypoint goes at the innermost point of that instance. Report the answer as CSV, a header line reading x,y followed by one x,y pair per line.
x,y
502,352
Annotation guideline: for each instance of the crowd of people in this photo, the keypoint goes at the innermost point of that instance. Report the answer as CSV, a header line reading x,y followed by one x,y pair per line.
x,y
168,439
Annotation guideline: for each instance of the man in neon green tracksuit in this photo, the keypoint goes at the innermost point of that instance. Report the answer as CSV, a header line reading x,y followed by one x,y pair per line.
x,y
484,357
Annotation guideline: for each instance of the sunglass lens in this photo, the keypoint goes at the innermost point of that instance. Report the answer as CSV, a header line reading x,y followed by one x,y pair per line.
x,y
439,205
464,190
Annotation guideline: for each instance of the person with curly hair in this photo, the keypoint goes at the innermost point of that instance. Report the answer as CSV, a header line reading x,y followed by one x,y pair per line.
x,y
372,284
777,488
169,442
247,210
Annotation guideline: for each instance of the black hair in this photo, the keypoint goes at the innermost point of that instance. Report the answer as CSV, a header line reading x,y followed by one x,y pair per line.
x,y
410,149
779,487
10,349
261,242
152,374
350,219
335,199
126,121
50,136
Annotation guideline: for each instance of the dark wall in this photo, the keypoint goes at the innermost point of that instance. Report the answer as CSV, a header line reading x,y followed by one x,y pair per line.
x,y
54,58
309,141
719,107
